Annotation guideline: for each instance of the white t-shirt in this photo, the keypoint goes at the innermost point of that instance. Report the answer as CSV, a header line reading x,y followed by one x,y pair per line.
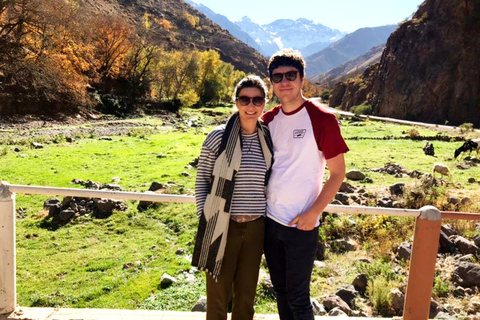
x,y
302,141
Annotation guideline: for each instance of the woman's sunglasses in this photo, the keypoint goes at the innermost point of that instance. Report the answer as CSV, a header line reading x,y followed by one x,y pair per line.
x,y
290,76
245,101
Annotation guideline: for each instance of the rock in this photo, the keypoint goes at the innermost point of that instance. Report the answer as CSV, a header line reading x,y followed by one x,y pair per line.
x,y
397,189
398,300
471,180
105,205
200,305
466,201
465,246
155,186
346,188
37,145
404,251
342,197
65,215
360,283
179,251
343,245
448,229
51,202
355,175
336,302
166,281
466,274
446,245
318,308
459,292
347,293
186,174
337,312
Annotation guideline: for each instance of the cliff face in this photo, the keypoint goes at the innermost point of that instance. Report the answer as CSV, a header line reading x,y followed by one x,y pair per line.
x,y
430,70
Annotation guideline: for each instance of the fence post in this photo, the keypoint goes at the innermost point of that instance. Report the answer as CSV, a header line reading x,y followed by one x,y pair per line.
x,y
8,289
422,264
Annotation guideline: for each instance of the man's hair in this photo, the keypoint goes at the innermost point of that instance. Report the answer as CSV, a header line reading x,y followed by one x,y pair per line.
x,y
287,58
250,81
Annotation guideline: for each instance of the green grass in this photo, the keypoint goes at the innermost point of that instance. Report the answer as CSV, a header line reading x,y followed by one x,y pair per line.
x,y
82,264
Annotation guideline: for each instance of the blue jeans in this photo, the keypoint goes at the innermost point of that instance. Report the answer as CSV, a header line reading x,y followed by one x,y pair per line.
x,y
290,254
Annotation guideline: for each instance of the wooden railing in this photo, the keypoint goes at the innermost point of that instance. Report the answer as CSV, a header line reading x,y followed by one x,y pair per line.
x,y
422,260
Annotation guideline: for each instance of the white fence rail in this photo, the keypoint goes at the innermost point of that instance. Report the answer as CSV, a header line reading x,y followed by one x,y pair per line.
x,y
422,263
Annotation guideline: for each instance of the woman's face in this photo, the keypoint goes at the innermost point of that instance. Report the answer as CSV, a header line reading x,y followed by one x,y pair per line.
x,y
250,104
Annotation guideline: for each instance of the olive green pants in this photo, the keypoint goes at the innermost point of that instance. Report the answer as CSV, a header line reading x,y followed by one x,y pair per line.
x,y
239,273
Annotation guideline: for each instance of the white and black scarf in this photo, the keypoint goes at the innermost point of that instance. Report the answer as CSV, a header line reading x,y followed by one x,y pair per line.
x,y
214,220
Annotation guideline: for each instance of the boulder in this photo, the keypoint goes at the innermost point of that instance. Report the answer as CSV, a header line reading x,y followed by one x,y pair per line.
x,y
355,175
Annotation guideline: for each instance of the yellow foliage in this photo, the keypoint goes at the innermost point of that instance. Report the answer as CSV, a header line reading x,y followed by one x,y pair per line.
x,y
164,23
191,20
147,21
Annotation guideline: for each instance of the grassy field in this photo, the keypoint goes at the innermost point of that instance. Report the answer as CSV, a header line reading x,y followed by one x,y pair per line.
x,y
84,264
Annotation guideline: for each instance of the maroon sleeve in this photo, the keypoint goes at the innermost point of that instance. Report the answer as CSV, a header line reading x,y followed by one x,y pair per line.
x,y
268,116
327,131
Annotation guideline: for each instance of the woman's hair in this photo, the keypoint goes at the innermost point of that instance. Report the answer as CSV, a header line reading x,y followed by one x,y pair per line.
x,y
287,58
250,81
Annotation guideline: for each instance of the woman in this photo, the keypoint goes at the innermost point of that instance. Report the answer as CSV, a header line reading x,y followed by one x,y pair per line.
x,y
230,194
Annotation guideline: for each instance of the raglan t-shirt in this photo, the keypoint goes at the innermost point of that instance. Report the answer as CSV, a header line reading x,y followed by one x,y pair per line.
x,y
302,141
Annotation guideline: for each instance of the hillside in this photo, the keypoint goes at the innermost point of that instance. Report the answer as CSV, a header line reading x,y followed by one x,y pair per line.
x,y
350,68
429,70
349,47
184,35
64,56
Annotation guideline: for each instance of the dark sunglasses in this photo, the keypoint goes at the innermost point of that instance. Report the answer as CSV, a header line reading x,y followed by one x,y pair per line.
x,y
290,76
245,101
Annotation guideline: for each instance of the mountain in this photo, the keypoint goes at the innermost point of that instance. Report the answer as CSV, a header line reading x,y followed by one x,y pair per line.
x,y
429,70
301,34
349,47
189,29
350,68
226,24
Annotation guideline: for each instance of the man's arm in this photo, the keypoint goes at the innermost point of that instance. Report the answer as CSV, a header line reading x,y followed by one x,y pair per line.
x,y
307,219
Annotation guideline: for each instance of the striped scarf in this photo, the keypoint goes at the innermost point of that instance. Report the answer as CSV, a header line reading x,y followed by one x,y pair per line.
x,y
214,220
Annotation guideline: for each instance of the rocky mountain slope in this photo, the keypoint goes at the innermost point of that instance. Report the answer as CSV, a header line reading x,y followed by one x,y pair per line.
x,y
200,33
429,70
226,24
349,47
350,68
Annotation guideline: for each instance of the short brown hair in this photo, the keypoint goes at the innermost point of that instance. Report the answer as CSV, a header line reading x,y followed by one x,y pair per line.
x,y
287,58
250,81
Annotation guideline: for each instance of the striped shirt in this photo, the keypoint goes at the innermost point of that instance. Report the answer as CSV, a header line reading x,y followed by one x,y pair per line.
x,y
249,193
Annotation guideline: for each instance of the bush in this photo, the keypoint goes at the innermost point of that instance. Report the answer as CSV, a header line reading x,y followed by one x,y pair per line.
x,y
466,127
413,133
325,96
379,295
361,109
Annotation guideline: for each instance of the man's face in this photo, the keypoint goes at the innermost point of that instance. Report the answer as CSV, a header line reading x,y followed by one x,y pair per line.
x,y
287,91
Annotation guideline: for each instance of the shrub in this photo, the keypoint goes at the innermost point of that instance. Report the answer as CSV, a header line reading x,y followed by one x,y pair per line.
x,y
412,133
379,295
441,287
362,109
466,127
325,96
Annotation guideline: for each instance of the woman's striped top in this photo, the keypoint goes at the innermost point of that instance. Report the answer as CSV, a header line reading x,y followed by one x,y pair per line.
x,y
249,193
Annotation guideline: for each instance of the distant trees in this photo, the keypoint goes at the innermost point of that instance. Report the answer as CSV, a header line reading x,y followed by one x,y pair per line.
x,y
53,53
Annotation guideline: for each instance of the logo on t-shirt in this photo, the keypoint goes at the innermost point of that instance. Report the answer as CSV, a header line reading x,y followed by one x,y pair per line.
x,y
299,133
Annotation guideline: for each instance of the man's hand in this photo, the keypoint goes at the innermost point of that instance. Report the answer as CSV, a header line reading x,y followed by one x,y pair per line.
x,y
305,221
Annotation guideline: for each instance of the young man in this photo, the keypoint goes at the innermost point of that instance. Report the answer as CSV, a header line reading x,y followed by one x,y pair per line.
x,y
306,139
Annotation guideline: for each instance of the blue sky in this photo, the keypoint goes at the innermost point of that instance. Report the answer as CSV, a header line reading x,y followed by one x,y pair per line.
x,y
345,15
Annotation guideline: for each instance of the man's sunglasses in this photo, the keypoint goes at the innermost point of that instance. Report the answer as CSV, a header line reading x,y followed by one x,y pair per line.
x,y
245,101
290,76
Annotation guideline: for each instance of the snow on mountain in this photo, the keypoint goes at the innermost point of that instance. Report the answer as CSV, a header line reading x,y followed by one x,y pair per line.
x,y
301,34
